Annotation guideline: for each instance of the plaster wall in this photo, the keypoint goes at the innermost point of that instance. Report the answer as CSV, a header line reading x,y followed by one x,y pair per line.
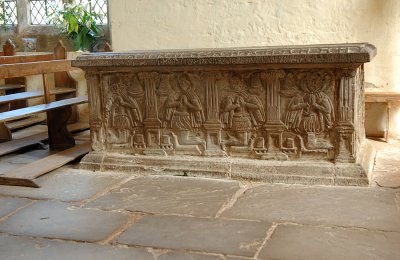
x,y
181,24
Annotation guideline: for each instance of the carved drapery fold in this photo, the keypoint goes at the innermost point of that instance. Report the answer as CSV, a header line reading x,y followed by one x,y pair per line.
x,y
95,111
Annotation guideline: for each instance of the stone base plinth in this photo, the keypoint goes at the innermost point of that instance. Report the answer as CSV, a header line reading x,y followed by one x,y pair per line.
x,y
290,172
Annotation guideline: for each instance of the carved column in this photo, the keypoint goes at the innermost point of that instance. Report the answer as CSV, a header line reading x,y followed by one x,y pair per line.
x,y
212,124
273,126
151,122
96,112
345,122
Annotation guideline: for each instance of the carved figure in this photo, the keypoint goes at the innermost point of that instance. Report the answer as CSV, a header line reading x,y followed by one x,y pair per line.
x,y
241,113
184,114
242,110
122,111
311,110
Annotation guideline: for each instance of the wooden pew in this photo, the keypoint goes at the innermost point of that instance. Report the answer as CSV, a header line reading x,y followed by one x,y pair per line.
x,y
58,113
15,85
65,87
58,110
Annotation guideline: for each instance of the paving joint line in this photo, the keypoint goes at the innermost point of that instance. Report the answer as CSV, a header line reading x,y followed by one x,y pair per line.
x,y
17,210
132,219
397,200
23,197
268,236
232,200
354,228
49,238
105,191
128,212
184,250
127,246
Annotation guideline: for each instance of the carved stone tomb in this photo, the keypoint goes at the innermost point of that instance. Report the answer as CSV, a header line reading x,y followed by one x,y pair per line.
x,y
291,114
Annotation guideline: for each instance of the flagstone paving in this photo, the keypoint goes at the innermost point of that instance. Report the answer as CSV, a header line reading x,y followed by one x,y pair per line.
x,y
232,237
169,195
365,207
67,184
52,219
9,205
89,215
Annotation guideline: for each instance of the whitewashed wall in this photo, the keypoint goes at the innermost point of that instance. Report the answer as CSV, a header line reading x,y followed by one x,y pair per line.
x,y
180,24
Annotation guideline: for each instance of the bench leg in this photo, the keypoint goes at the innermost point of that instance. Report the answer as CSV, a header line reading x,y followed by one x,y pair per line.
x,y
59,136
5,133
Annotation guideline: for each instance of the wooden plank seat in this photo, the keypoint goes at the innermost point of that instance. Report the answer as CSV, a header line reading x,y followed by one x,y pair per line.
x,y
58,113
8,87
33,94
22,112
8,99
5,131
24,122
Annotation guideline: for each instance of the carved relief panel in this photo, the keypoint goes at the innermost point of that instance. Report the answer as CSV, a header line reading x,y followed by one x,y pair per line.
x,y
308,100
123,111
277,114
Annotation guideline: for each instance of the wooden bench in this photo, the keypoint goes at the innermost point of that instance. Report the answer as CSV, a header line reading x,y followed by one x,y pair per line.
x,y
58,112
61,141
387,98
15,87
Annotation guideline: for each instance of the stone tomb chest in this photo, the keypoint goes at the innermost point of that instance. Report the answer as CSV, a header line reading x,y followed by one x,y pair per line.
x,y
286,114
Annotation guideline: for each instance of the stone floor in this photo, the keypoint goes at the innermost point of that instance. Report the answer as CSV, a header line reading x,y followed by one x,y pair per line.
x,y
85,215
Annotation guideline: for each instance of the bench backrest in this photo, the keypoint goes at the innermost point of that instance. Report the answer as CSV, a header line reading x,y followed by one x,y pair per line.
x,y
61,78
15,67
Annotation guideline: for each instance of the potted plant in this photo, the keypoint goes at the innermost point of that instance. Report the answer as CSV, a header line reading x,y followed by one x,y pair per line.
x,y
78,23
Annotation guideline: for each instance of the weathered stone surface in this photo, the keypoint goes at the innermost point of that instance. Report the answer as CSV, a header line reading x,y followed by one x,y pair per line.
x,y
169,195
199,234
386,168
22,248
236,258
9,205
66,184
328,53
306,242
188,256
293,172
52,219
358,207
284,104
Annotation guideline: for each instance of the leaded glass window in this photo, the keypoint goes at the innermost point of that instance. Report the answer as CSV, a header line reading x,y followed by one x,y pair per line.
x,y
42,10
100,7
8,11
